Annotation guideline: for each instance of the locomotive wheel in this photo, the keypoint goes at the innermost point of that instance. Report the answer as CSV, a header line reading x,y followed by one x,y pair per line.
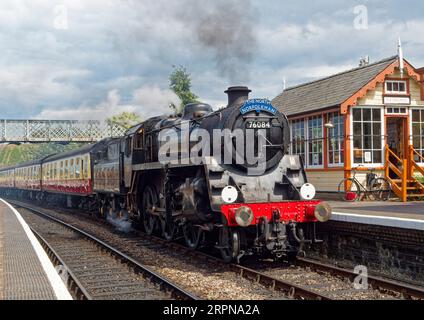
x,y
192,235
168,231
149,201
229,242
137,219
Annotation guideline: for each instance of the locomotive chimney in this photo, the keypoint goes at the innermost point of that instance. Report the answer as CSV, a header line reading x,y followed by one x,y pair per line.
x,y
237,95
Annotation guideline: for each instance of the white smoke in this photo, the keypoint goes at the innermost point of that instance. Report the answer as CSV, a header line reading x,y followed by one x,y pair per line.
x,y
121,224
146,101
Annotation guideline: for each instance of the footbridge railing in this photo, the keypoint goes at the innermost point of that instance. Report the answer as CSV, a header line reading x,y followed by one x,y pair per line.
x,y
57,130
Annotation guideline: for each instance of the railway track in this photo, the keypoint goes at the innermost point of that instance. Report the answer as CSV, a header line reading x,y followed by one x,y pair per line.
x,y
401,289
339,283
93,269
306,280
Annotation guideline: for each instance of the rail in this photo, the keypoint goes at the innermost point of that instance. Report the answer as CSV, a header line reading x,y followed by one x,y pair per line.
x,y
74,285
291,290
164,283
407,291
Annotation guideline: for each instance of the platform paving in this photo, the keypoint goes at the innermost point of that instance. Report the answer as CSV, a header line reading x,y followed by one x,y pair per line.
x,y
22,274
408,215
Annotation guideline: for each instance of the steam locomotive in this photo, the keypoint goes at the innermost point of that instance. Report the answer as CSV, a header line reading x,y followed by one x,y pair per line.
x,y
248,196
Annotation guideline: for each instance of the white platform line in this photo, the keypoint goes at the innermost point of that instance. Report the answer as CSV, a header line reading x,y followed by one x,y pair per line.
x,y
55,280
379,220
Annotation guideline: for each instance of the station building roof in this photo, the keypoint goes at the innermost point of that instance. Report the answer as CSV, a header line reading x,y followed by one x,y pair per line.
x,y
328,92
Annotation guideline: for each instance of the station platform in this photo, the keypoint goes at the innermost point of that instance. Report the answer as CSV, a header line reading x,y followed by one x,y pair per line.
x,y
26,272
408,215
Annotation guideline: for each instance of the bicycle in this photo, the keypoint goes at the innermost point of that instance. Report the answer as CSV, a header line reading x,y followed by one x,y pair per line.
x,y
350,189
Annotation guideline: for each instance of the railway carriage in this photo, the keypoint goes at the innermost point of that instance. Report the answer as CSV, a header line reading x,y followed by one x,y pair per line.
x,y
28,179
7,178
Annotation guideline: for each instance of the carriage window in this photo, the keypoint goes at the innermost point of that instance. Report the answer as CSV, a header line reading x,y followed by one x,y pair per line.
x,y
367,136
86,167
66,170
315,139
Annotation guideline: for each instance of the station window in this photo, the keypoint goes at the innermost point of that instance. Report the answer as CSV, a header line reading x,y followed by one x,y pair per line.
x,y
367,136
396,110
336,139
418,132
315,141
298,135
396,87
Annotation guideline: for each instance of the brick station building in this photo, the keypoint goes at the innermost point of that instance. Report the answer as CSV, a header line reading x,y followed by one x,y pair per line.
x,y
371,117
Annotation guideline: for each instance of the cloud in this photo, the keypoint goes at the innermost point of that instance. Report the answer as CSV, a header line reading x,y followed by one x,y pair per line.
x,y
128,47
146,101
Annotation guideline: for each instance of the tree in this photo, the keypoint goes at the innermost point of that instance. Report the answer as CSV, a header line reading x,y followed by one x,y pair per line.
x,y
125,119
180,83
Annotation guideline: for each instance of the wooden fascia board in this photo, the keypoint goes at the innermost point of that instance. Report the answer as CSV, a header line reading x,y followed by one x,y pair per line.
x,y
352,101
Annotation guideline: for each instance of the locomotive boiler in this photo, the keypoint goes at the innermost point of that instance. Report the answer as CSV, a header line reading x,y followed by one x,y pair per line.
x,y
224,178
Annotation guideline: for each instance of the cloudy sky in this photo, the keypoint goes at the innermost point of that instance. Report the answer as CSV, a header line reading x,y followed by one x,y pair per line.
x,y
75,59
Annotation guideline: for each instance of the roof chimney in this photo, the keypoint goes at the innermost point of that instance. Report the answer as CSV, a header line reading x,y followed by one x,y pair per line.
x,y
237,95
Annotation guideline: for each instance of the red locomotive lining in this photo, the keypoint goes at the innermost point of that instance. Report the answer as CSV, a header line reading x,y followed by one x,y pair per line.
x,y
297,211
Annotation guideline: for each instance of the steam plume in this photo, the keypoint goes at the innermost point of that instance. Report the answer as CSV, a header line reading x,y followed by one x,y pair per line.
x,y
224,29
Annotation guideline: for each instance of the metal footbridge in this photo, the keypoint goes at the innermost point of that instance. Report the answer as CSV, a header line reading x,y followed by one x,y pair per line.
x,y
38,131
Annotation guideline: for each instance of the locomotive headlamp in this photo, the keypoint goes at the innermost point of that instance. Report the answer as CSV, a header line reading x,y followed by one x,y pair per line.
x,y
244,216
307,192
229,194
323,212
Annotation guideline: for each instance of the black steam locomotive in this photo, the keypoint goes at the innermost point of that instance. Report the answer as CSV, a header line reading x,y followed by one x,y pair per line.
x,y
223,178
